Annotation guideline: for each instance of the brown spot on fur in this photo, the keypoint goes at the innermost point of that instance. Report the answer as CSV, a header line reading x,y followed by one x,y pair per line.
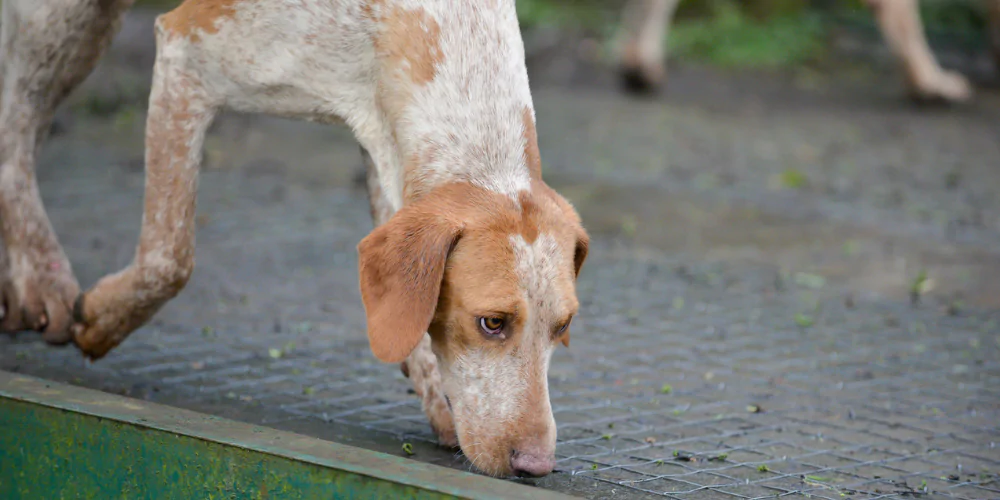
x,y
407,46
531,213
194,17
409,43
531,154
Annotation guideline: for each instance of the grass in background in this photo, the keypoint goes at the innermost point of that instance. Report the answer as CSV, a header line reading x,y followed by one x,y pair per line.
x,y
532,13
730,37
599,16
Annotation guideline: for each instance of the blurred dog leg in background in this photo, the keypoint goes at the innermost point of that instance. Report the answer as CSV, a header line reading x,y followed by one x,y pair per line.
x,y
642,34
646,23
900,24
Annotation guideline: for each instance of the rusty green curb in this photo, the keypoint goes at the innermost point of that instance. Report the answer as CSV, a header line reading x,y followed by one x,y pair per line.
x,y
59,441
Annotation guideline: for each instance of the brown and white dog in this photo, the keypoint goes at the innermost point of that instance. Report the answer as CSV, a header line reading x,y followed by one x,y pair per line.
x,y
468,278
645,24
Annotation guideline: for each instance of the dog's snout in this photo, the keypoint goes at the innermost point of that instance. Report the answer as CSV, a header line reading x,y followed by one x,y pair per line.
x,y
527,464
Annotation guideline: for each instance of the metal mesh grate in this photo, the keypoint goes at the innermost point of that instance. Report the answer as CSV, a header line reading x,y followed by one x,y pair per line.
x,y
722,397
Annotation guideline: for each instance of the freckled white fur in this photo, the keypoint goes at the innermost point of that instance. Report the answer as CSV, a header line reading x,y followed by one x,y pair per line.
x,y
471,111
485,82
488,387
539,267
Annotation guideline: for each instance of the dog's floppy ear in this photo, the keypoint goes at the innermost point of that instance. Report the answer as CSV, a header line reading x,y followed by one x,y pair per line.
x,y
402,264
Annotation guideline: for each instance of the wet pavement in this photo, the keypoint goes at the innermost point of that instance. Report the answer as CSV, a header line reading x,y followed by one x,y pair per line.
x,y
793,289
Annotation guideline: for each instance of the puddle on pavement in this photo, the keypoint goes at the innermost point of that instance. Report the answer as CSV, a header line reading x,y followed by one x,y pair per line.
x,y
853,258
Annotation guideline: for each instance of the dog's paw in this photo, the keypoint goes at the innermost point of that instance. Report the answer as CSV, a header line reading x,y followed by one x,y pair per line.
x,y
37,289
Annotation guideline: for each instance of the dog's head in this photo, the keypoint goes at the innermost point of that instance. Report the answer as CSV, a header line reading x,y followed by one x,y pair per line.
x,y
492,279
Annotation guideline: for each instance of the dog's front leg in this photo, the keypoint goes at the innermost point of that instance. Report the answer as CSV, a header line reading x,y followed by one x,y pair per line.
x,y
421,366
47,47
180,111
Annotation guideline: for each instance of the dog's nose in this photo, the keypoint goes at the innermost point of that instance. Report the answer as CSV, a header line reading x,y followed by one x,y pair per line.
x,y
527,464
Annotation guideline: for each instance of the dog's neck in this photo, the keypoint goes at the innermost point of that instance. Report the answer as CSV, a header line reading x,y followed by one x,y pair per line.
x,y
456,97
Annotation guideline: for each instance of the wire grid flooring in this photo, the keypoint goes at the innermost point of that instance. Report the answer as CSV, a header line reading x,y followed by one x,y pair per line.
x,y
680,383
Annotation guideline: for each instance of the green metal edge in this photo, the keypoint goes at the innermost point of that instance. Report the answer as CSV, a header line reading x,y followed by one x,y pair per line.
x,y
49,427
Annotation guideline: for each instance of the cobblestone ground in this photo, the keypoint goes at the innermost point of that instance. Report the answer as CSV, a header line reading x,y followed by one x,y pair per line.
x,y
753,322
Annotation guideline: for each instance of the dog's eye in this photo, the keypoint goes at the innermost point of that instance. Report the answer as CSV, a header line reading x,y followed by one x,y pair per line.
x,y
491,325
564,326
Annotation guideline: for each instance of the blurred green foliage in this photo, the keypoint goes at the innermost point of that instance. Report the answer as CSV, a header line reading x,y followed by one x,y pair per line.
x,y
593,15
731,35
